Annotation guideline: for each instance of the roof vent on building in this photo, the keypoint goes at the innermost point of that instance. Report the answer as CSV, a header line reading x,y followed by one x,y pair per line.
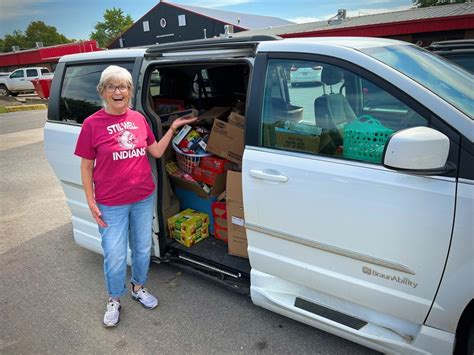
x,y
340,17
228,30
15,48
39,44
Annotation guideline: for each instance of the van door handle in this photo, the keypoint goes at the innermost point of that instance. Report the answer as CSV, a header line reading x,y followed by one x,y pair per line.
x,y
270,175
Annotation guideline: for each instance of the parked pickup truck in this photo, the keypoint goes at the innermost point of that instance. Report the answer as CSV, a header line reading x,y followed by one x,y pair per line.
x,y
19,81
352,210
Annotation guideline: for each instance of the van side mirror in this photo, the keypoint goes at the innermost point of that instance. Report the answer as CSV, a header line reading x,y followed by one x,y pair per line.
x,y
418,150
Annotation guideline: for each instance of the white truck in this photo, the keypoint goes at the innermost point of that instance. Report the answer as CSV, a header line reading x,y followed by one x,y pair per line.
x,y
19,81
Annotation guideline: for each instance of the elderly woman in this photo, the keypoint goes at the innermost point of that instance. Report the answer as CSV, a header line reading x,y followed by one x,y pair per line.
x,y
118,184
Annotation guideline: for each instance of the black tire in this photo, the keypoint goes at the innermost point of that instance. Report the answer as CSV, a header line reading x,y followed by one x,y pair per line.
x,y
470,340
465,342
14,93
4,92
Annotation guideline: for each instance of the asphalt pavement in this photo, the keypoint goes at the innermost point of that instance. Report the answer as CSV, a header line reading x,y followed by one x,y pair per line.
x,y
52,294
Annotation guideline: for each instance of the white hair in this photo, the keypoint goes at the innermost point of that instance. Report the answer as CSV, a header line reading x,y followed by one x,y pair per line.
x,y
114,73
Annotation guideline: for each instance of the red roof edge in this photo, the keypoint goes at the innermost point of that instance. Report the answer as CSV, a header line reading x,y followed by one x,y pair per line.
x,y
395,28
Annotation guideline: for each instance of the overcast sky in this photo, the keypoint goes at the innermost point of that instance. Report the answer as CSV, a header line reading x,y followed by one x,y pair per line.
x,y
77,18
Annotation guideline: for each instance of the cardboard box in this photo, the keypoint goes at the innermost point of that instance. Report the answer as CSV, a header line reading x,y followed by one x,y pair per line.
x,y
237,120
170,117
227,140
221,233
213,163
189,199
219,210
237,236
300,142
219,213
188,227
204,175
213,114
216,189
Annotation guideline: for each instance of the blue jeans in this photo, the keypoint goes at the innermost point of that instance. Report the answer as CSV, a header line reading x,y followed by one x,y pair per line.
x,y
130,223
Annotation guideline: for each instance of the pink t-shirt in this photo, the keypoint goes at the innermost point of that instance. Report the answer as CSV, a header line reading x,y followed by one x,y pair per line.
x,y
118,143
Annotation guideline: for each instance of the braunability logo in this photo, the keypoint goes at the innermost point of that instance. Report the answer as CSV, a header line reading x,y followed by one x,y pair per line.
x,y
401,280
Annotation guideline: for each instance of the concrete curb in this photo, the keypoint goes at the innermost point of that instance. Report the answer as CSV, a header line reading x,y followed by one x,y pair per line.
x,y
17,108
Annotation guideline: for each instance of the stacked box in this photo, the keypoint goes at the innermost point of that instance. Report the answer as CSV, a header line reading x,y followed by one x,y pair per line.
x,y
205,220
219,212
215,164
236,233
203,175
189,227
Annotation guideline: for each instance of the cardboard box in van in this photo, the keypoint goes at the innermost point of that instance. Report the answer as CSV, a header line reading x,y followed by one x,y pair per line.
x,y
213,114
216,189
236,234
227,138
300,142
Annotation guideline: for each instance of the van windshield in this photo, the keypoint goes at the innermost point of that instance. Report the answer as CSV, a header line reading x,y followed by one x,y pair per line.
x,y
438,75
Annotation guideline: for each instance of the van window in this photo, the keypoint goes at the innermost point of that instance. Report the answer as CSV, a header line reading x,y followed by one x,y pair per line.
x,y
79,96
319,108
44,71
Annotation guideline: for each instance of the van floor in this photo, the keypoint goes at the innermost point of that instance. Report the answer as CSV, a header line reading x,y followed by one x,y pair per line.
x,y
214,251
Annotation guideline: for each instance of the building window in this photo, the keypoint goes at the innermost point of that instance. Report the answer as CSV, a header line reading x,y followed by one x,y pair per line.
x,y
182,20
163,22
146,26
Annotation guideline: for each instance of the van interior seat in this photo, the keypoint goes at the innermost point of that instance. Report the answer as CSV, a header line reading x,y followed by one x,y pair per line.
x,y
332,111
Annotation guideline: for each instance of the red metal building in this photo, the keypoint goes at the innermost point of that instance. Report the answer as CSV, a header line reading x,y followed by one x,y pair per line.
x,y
44,56
416,25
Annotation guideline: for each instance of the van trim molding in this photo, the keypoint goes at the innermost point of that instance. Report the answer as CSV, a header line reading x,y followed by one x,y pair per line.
x,y
330,248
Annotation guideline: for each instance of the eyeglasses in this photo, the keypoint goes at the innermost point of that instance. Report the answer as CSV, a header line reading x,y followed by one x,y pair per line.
x,y
111,88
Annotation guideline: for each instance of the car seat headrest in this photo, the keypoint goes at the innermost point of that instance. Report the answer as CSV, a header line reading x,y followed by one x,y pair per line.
x,y
331,75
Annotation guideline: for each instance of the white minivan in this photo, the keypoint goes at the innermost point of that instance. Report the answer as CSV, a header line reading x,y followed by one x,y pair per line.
x,y
374,247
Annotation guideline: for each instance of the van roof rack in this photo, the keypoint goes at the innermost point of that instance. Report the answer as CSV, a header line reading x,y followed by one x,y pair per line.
x,y
452,44
210,43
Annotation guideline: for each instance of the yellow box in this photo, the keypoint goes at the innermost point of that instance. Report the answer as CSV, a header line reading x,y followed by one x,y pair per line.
x,y
188,240
189,227
204,216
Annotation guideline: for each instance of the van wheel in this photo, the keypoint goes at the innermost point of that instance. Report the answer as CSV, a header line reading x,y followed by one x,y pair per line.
x,y
465,343
14,93
470,340
4,91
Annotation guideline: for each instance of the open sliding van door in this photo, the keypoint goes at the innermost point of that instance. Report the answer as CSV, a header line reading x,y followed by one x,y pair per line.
x,y
345,245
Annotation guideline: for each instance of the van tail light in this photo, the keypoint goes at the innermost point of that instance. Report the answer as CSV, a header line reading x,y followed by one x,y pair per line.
x,y
317,67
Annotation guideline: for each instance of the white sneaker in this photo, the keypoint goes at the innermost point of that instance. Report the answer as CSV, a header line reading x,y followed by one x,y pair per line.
x,y
145,298
112,315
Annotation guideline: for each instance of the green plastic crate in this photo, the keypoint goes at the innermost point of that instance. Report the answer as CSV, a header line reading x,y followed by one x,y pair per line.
x,y
365,138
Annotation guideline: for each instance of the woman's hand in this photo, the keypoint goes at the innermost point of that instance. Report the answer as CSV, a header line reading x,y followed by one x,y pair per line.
x,y
181,122
97,214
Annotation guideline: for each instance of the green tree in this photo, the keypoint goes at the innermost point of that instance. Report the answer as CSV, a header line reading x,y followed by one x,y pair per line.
x,y
37,31
428,3
16,38
115,23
